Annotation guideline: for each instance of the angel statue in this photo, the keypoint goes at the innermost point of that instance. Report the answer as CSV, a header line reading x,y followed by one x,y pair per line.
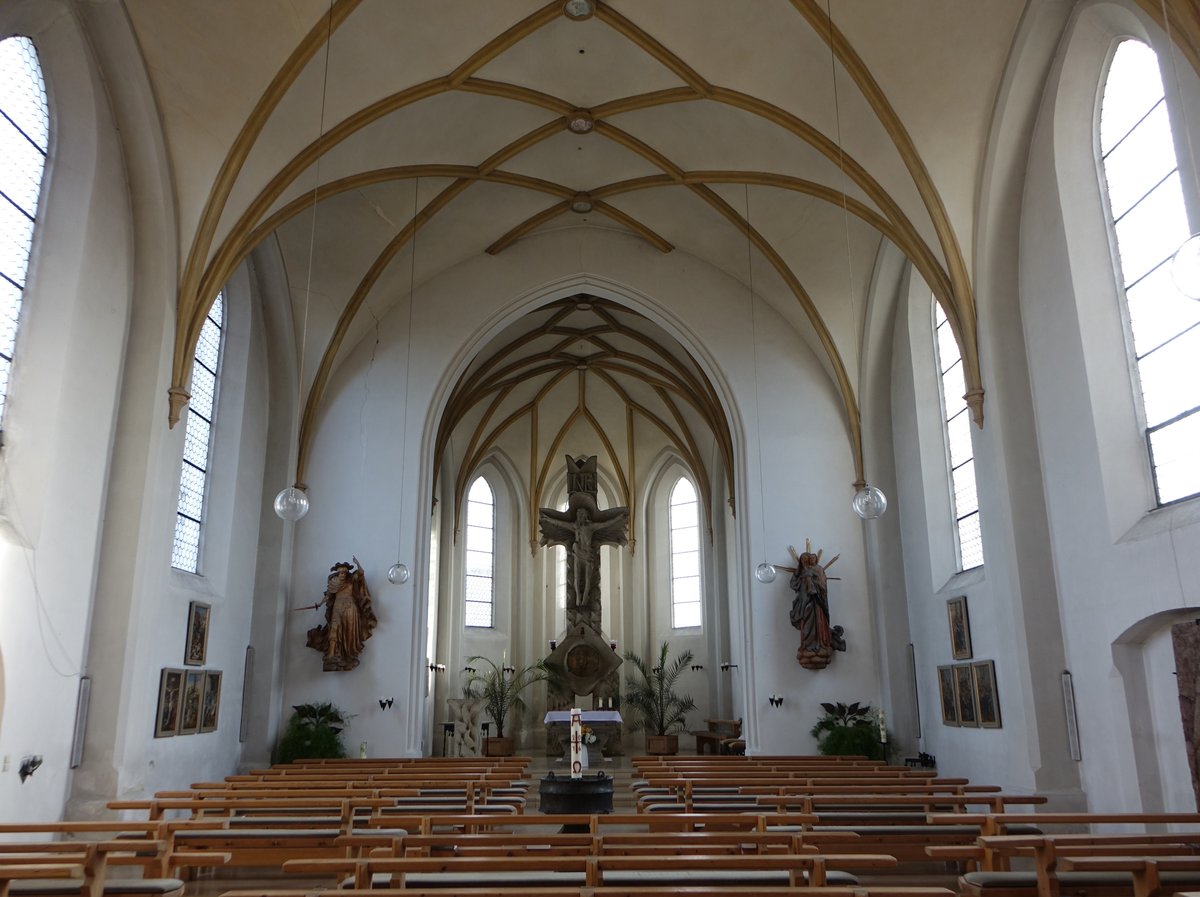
x,y
349,619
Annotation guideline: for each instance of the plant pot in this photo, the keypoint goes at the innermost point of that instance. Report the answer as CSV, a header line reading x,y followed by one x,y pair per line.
x,y
499,747
662,744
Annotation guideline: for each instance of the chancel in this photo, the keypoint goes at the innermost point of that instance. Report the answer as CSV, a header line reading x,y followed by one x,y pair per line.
x,y
738,262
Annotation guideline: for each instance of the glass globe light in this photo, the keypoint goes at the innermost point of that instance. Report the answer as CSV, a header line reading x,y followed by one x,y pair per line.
x,y
398,574
1185,267
765,572
869,503
291,504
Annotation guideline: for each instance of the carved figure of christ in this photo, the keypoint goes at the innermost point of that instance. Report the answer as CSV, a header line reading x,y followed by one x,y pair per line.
x,y
582,533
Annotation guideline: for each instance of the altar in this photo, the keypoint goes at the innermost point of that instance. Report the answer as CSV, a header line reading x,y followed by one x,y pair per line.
x,y
605,723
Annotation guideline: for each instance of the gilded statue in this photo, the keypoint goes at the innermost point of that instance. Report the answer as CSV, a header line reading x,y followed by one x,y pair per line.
x,y
349,619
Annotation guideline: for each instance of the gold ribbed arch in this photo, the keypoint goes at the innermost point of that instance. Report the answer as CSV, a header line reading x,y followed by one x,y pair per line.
x,y
201,280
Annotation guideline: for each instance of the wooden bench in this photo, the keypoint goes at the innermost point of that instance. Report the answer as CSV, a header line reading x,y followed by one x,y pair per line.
x,y
766,870
716,734
75,868
731,890
1046,879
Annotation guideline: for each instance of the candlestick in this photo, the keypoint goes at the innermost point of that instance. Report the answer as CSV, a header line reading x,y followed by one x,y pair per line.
x,y
576,743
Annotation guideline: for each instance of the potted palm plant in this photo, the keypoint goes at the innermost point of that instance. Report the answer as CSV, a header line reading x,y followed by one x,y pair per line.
x,y
500,689
657,707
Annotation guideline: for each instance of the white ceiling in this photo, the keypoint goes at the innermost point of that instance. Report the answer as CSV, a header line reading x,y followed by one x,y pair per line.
x,y
752,86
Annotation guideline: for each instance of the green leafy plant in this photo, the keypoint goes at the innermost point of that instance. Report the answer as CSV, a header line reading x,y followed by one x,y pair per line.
x,y
848,729
501,689
313,732
651,694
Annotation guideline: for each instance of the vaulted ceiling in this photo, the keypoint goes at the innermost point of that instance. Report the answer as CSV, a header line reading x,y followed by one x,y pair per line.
x,y
811,131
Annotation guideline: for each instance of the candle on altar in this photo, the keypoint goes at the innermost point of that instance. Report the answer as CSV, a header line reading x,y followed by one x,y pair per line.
x,y
576,743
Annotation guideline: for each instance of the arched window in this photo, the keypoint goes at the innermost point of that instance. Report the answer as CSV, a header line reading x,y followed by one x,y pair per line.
x,y
964,499
1149,223
24,144
684,523
481,554
197,443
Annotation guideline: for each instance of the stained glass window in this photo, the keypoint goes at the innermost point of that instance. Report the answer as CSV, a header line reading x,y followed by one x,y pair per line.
x,y
24,144
481,554
964,499
197,442
1149,222
684,524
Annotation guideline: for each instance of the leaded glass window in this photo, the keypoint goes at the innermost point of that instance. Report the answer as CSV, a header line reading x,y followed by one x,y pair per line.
x,y
1149,222
481,555
24,145
197,442
964,499
684,526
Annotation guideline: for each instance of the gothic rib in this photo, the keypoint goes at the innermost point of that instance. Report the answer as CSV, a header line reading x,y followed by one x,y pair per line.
x,y
227,175
964,318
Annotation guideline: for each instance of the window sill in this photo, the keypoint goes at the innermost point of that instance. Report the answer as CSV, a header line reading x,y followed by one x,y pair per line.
x,y
960,581
1163,520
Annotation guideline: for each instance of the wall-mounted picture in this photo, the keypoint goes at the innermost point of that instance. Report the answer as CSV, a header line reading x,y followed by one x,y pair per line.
x,y
170,692
960,628
210,702
196,648
987,698
949,699
964,689
189,714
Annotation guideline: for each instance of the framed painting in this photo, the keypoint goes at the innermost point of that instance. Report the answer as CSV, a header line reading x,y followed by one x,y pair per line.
x,y
987,698
196,649
949,699
170,691
189,714
960,628
964,690
210,701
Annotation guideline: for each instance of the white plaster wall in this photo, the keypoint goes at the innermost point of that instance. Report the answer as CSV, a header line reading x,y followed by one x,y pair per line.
x,y
1117,561
358,448
60,417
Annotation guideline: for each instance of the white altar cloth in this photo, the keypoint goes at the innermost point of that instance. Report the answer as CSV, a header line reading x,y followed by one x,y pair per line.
x,y
588,716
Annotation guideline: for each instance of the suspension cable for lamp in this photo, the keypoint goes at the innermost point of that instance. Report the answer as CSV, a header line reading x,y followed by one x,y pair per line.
x,y
292,503
764,572
398,573
869,501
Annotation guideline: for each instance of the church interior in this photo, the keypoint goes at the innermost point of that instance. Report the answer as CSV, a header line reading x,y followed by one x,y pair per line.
x,y
317,310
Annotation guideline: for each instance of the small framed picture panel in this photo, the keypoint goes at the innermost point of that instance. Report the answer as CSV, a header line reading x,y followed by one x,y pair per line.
x,y
210,701
960,628
189,714
987,697
949,698
196,648
170,697
964,690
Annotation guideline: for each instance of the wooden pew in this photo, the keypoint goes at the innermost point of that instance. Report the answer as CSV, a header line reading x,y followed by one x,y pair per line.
x,y
1047,881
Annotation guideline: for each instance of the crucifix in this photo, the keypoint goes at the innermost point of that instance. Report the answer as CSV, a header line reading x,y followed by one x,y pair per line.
x,y
582,529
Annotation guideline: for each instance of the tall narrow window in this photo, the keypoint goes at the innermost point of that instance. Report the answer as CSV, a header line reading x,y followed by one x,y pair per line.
x,y
481,554
684,525
24,143
197,442
964,499
1149,221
